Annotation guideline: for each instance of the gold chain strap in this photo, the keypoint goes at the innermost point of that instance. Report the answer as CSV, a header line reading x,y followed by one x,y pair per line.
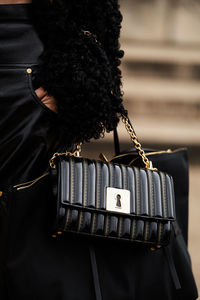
x,y
148,164
76,153
134,138
138,146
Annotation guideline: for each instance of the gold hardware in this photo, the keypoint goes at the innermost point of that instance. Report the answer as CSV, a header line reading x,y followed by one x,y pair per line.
x,y
1,193
152,249
28,184
103,157
29,70
148,153
118,200
76,153
138,146
54,236
168,151
59,232
161,152
78,150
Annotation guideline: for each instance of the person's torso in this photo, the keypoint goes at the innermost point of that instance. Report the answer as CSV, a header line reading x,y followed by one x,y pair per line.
x,y
27,127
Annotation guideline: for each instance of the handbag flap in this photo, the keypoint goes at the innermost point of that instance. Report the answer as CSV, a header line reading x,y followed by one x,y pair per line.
x,y
93,185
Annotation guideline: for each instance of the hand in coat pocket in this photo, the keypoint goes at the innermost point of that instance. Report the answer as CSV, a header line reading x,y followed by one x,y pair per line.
x,y
49,101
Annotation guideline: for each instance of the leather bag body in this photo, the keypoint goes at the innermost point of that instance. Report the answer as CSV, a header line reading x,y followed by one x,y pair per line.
x,y
173,162
56,268
113,201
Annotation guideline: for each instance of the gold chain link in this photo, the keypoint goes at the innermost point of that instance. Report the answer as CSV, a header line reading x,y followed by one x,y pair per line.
x,y
76,153
137,145
78,150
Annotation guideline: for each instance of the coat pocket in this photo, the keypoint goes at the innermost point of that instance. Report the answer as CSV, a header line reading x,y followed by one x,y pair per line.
x,y
29,72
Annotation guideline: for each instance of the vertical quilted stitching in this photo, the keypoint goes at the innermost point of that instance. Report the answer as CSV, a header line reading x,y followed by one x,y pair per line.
x,y
85,182
106,225
164,196
133,231
97,200
151,193
111,182
80,220
67,220
146,231
160,232
137,187
124,186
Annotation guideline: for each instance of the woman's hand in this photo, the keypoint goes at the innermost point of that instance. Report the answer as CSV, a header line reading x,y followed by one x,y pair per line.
x,y
49,101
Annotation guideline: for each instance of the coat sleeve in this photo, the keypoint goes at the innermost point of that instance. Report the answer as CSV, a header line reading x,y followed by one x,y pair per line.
x,y
82,71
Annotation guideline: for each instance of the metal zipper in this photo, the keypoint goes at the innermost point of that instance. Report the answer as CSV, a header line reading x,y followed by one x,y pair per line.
x,y
85,183
84,193
133,229
71,163
137,191
97,202
28,184
124,177
148,153
80,221
93,223
71,198
71,176
162,177
159,232
146,230
120,227
106,225
169,151
111,182
66,220
110,166
124,186
151,194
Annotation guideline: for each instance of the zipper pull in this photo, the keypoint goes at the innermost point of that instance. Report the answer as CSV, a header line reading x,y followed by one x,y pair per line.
x,y
103,157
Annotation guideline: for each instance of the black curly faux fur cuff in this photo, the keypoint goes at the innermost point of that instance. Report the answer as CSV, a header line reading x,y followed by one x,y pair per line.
x,y
83,76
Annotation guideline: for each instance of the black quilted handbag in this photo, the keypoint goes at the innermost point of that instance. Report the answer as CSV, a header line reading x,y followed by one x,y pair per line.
x,y
110,200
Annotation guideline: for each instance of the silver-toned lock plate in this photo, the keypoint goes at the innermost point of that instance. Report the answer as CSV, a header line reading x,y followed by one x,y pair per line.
x,y
118,200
